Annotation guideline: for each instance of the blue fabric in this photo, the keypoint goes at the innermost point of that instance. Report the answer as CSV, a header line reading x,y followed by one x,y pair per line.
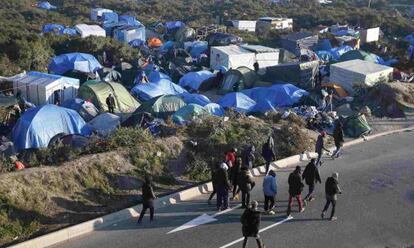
x,y
155,76
174,25
198,99
237,101
187,113
69,31
75,104
323,45
269,186
45,5
37,126
324,56
197,48
195,79
129,20
52,27
74,61
167,46
338,51
215,109
145,92
110,17
159,85
410,38
136,43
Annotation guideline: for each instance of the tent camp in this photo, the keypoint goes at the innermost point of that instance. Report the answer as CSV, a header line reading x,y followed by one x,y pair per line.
x,y
30,131
97,92
359,54
238,79
105,123
359,73
198,99
85,109
189,113
223,39
264,56
237,101
162,106
193,80
42,88
356,125
336,89
215,109
296,41
86,30
81,62
52,28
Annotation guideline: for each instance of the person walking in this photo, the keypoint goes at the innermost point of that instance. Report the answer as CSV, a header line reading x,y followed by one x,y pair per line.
x,y
250,220
295,190
320,147
268,153
110,102
222,187
148,197
235,171
338,135
331,190
231,157
270,191
311,177
249,157
214,170
246,184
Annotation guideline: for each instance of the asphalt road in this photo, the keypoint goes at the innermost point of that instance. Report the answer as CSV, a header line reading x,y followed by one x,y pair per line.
x,y
376,209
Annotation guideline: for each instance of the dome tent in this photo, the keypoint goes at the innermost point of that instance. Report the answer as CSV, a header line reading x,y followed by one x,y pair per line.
x,y
81,62
37,126
162,106
237,101
189,113
85,109
215,109
194,80
104,124
238,79
199,99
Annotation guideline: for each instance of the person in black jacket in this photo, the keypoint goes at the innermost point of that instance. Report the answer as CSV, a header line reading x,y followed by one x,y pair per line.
x,y
110,102
214,170
222,186
246,184
235,170
295,189
148,197
250,224
331,190
338,135
311,177
268,153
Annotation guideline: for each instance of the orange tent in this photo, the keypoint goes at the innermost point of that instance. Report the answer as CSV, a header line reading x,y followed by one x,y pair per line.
x,y
338,90
154,42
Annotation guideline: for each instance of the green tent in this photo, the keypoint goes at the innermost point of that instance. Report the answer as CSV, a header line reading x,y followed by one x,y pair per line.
x,y
162,106
237,80
356,125
97,92
357,54
189,113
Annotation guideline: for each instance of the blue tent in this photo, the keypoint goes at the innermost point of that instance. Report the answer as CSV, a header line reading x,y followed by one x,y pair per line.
x,y
46,5
74,61
410,38
188,113
338,51
174,25
52,27
129,20
197,48
136,43
323,45
69,31
237,101
37,126
215,109
167,46
110,17
156,76
199,99
194,79
163,86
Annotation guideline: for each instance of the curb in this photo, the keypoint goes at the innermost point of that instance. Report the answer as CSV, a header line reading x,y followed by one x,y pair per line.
x,y
68,233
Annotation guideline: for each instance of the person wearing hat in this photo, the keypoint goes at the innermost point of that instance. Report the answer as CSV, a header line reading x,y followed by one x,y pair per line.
x,y
251,224
311,177
331,190
320,147
295,189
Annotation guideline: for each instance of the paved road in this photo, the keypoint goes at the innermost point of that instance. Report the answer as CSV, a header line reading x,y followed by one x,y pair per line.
x,y
376,209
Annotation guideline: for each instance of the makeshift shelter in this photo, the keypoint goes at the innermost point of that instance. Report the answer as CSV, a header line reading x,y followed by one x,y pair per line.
x,y
238,79
46,5
162,106
52,28
154,42
337,89
129,33
238,101
86,30
215,109
110,17
85,109
37,126
129,21
193,80
244,25
196,48
97,13
189,113
231,57
370,35
81,62
265,24
42,88
359,54
223,39
184,34
198,99
104,124
296,41
97,92
359,73
264,56
356,125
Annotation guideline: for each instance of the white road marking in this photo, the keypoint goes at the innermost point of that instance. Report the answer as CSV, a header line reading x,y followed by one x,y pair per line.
x,y
260,231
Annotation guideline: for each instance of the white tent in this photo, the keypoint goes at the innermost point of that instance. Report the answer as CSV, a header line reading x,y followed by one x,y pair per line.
x,y
243,25
90,30
231,57
96,14
104,124
265,56
370,35
359,73
39,88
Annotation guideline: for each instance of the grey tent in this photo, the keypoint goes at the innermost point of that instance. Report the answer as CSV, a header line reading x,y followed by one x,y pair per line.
x,y
238,79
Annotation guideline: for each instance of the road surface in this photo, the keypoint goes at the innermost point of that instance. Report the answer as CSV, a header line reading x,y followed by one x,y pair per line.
x,y
376,209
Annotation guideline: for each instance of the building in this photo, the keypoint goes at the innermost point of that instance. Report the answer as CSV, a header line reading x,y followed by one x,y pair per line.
x,y
249,26
369,35
296,41
359,74
85,30
128,33
97,13
42,88
265,24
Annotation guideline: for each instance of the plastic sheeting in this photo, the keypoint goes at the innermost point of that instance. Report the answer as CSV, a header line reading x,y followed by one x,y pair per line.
x,y
136,43
174,25
129,20
39,125
193,80
46,5
215,109
197,48
188,113
106,123
159,85
74,61
52,27
86,109
198,99
237,101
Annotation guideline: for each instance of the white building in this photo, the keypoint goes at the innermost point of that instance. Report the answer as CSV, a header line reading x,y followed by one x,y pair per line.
x,y
96,14
41,88
359,73
249,26
85,30
369,35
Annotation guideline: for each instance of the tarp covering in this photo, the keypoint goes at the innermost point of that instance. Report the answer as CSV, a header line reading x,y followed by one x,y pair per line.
x,y
52,27
46,5
198,99
86,109
215,109
129,20
104,124
333,54
238,79
237,101
163,106
197,48
37,126
189,113
110,17
174,25
355,126
223,39
193,80
136,43
74,61
359,54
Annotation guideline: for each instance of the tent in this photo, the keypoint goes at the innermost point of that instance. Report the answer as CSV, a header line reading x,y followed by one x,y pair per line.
x,y
197,48
238,79
359,54
46,5
97,92
129,33
81,62
174,25
69,31
198,99
215,109
193,80
237,101
188,113
136,43
86,109
223,39
356,125
37,126
231,57
104,124
129,20
86,30
154,42
162,106
52,27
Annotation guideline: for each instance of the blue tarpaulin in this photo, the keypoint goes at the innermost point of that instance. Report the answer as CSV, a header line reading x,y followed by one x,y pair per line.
x,y
193,80
237,101
333,54
199,99
129,20
69,31
37,126
410,38
323,45
197,48
46,5
52,27
136,43
74,61
215,109
110,17
174,25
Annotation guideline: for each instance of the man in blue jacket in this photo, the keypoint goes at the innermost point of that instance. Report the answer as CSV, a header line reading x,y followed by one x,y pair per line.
x,y
270,191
